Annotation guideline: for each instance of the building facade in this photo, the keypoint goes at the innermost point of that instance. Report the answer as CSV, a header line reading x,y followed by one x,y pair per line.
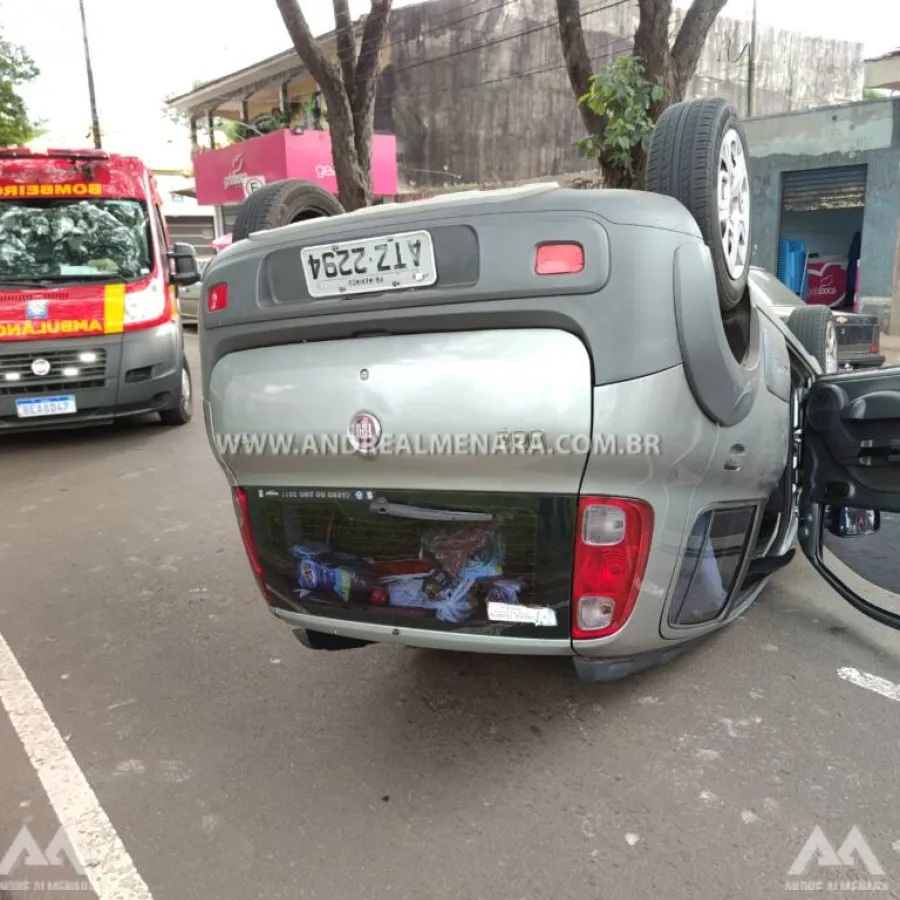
x,y
824,177
477,91
480,94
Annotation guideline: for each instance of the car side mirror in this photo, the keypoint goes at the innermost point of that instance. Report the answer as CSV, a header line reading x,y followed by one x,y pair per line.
x,y
184,269
866,571
850,521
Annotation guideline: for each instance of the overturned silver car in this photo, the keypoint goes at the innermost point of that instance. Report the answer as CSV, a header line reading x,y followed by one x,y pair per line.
x,y
537,421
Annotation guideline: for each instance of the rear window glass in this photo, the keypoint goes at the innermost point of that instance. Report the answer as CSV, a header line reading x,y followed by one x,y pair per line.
x,y
707,579
496,563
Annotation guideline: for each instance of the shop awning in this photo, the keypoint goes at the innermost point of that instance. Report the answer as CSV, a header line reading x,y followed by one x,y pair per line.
x,y
224,95
260,84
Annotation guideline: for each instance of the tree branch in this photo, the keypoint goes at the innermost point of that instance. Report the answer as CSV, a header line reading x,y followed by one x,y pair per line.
x,y
370,55
346,44
325,72
690,42
651,40
578,63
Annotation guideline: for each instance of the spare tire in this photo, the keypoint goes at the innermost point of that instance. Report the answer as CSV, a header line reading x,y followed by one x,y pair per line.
x,y
698,155
815,328
283,203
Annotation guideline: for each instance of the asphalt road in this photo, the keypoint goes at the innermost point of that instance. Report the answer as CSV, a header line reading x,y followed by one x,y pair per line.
x,y
234,764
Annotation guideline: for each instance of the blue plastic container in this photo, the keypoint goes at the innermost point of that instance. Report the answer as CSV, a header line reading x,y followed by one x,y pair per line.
x,y
792,259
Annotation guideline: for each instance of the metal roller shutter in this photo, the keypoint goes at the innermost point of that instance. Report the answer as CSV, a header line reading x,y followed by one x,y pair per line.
x,y
198,231
229,214
840,187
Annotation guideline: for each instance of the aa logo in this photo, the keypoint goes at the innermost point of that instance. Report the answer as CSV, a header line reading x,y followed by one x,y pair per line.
x,y
852,853
25,845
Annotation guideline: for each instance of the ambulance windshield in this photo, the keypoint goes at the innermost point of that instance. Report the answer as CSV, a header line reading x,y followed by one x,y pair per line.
x,y
73,240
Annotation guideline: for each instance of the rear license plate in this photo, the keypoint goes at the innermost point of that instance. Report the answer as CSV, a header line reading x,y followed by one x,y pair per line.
x,y
46,406
393,262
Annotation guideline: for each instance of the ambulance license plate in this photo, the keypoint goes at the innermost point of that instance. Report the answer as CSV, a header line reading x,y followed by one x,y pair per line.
x,y
34,407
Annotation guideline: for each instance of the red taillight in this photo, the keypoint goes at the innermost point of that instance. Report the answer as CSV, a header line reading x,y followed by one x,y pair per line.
x,y
243,516
875,347
559,259
611,551
217,297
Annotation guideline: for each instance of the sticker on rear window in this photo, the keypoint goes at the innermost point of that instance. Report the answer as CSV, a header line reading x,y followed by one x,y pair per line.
x,y
523,615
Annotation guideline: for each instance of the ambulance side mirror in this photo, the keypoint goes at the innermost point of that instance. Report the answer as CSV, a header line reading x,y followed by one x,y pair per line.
x,y
184,269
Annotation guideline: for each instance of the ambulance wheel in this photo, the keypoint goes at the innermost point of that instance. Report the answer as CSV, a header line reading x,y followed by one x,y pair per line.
x,y
814,327
698,155
183,411
283,203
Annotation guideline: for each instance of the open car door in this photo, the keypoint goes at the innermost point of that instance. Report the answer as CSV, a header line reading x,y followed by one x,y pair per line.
x,y
850,488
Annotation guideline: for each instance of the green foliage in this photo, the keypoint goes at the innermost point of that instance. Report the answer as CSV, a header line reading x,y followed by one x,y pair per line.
x,y
625,98
264,124
16,68
308,114
316,112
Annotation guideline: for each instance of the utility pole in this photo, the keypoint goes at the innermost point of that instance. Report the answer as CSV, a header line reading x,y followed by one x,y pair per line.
x,y
751,63
95,120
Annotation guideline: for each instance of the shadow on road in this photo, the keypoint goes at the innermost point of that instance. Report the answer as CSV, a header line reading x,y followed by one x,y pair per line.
x,y
122,433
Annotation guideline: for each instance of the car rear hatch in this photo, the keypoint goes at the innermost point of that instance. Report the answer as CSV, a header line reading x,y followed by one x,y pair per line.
x,y
439,527
468,366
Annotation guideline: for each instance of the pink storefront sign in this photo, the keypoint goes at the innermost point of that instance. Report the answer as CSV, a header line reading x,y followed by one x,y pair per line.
x,y
230,174
827,281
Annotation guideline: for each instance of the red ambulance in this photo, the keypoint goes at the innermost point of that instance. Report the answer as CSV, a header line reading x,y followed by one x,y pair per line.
x,y
89,322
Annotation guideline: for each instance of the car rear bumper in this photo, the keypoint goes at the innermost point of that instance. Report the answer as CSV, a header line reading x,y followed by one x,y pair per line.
x,y
862,360
140,373
655,650
858,341
427,639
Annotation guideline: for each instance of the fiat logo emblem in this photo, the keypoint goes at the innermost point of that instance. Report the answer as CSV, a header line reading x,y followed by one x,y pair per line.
x,y
40,367
364,432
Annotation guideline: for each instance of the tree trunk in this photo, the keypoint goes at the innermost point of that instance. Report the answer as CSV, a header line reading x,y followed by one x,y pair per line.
x,y
326,74
677,66
348,87
346,44
362,145
365,85
689,44
354,181
651,46
577,60
651,43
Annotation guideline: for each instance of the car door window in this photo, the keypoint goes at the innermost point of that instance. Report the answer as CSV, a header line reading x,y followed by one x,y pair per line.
x,y
850,497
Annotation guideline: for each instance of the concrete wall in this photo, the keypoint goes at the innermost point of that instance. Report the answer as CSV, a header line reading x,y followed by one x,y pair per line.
x,y
472,98
860,133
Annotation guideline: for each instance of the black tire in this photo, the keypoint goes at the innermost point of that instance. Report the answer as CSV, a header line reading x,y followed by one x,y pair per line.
x,y
319,640
815,328
183,411
684,161
283,203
